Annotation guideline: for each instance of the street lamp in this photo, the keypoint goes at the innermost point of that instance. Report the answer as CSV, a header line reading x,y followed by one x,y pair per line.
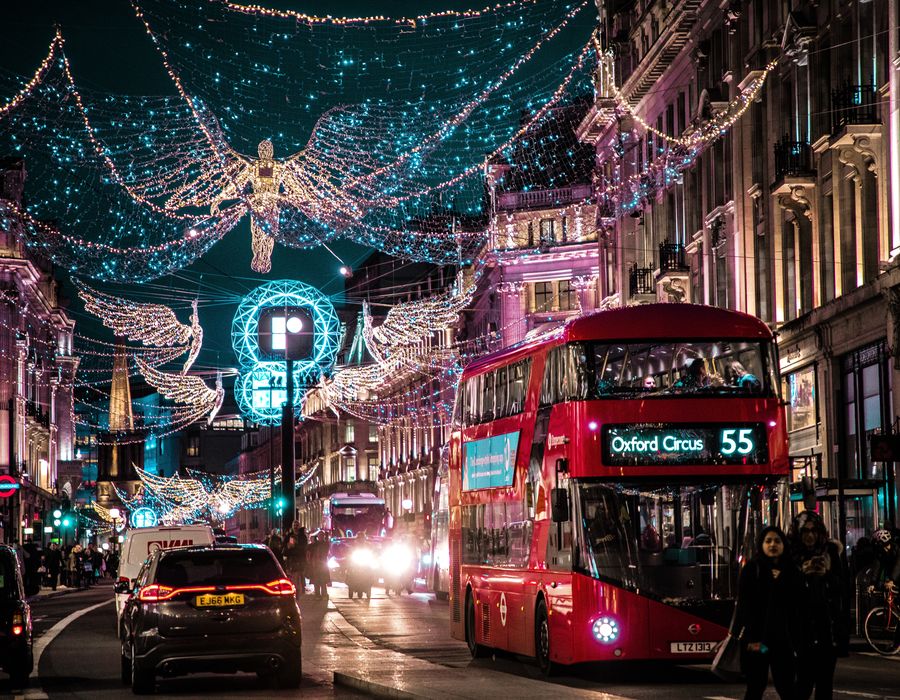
x,y
114,513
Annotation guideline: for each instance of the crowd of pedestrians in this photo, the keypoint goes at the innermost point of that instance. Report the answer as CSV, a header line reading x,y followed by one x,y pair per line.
x,y
72,566
793,612
304,558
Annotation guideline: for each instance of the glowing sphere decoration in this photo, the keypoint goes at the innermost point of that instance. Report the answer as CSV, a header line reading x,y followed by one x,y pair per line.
x,y
144,517
276,319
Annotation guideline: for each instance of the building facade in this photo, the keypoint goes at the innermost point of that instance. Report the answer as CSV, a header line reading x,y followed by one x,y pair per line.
x,y
37,375
790,213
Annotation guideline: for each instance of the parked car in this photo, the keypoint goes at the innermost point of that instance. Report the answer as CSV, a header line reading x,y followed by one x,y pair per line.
x,y
16,656
140,543
219,608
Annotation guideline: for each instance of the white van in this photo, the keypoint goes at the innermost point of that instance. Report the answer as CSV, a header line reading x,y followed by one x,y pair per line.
x,y
140,543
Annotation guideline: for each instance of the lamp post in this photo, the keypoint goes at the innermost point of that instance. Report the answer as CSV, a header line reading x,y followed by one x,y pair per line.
x,y
114,513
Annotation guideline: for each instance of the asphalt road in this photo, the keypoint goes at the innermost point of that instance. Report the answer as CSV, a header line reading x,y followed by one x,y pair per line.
x,y
82,660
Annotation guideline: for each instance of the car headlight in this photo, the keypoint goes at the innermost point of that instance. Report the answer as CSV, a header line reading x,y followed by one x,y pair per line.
x,y
397,559
605,629
332,563
362,557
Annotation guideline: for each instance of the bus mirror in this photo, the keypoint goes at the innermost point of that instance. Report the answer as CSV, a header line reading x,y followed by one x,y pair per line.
x,y
708,497
559,499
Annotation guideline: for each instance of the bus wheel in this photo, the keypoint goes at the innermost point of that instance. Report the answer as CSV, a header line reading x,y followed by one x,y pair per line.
x,y
475,649
542,639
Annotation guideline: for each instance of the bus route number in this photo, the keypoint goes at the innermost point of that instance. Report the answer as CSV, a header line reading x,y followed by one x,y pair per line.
x,y
737,441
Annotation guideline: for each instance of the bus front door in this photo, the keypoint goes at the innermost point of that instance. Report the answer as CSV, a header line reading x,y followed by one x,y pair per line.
x,y
558,590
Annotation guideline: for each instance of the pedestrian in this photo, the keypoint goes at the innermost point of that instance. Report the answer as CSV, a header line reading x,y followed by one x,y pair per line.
x,y
96,563
766,619
823,605
295,555
74,564
112,564
319,574
53,562
32,578
275,543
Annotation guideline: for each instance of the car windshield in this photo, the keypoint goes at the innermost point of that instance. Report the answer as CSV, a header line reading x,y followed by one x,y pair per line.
x,y
217,568
676,368
683,545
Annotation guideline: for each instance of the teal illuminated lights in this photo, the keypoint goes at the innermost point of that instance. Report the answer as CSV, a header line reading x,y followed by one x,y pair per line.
x,y
605,629
261,387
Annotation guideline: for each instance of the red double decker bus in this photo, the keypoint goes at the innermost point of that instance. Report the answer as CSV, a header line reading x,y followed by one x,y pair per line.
x,y
606,481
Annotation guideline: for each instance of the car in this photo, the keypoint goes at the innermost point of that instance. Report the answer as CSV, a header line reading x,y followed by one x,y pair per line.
x,y
219,608
16,657
142,542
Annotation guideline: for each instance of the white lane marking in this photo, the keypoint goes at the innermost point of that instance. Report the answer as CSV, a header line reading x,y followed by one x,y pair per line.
x,y
857,694
718,697
47,637
892,657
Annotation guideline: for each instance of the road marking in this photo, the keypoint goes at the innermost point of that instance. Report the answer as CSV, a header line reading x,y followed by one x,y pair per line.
x,y
718,697
47,637
893,657
857,694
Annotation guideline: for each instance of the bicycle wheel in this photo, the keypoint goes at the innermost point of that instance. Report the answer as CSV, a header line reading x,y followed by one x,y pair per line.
x,y
881,630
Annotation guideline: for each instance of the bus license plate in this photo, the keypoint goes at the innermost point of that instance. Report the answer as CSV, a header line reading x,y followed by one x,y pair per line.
x,y
220,601
691,647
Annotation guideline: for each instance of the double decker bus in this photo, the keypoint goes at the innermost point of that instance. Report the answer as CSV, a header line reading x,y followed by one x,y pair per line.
x,y
606,481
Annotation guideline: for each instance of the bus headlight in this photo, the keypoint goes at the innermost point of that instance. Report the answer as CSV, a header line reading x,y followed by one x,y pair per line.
x,y
332,563
605,629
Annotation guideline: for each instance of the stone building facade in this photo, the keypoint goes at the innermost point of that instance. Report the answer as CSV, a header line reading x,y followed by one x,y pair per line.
x,y
793,215
37,375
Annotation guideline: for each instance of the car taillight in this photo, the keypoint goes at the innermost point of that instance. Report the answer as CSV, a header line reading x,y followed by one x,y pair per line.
x,y
154,593
18,624
280,587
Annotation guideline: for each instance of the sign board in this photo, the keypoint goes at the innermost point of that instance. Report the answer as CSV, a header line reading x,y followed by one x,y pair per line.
x,y
490,463
8,485
673,444
884,448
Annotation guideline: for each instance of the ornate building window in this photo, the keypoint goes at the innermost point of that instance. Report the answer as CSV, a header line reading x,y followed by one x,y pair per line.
x,y
568,301
543,296
548,234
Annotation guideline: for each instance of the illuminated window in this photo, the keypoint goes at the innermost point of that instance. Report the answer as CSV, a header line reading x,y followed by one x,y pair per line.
x,y
193,446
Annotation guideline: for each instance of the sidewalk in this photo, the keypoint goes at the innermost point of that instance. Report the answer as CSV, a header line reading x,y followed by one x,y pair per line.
x,y
47,592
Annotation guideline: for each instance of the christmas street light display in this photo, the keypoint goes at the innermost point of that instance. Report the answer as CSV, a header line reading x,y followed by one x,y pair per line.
x,y
261,388
186,389
152,324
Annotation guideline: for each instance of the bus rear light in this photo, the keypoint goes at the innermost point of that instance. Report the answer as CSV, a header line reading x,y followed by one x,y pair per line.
x,y
605,629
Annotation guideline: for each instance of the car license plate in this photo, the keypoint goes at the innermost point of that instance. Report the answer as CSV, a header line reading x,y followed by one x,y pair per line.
x,y
220,601
691,647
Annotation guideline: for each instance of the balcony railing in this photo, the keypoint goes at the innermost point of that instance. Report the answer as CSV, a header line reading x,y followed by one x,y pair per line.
x,y
792,158
672,257
853,104
640,280
544,198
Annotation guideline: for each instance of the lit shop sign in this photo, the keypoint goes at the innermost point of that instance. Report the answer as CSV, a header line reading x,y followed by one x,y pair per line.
x,y
490,463
641,445
8,485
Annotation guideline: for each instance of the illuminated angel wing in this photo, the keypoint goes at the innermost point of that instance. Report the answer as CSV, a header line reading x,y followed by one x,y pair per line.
x,y
185,389
151,324
155,325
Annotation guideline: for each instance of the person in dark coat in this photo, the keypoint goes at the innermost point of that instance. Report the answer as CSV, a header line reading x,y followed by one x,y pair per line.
x,y
317,565
766,619
53,562
295,545
823,605
274,542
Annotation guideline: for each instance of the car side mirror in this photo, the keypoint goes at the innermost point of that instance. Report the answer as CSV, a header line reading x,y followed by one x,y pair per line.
x,y
559,505
123,586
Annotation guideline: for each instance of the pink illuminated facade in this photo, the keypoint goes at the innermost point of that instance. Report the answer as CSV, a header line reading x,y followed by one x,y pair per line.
x,y
37,373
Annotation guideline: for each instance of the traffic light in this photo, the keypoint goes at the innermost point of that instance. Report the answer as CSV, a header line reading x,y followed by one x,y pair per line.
x,y
280,503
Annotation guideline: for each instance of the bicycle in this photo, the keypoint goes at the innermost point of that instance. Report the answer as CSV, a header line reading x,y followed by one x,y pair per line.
x,y
881,626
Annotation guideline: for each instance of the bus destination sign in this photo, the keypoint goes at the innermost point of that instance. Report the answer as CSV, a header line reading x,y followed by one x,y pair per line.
x,y
490,463
666,443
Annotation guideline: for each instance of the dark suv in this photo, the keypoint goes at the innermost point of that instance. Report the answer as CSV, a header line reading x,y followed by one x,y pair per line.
x,y
15,621
219,608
